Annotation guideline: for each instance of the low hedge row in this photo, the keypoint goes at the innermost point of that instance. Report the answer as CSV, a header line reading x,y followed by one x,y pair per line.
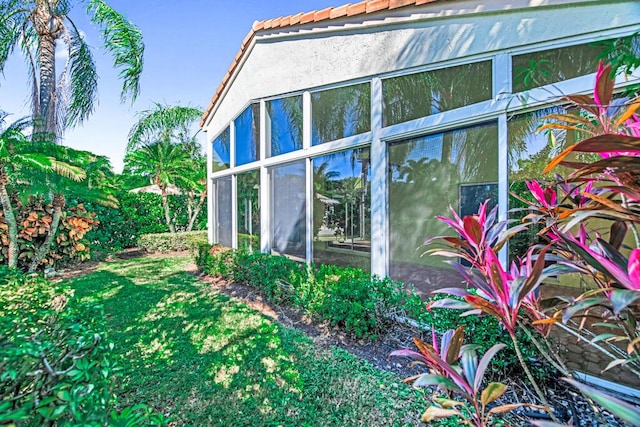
x,y
172,242
350,299
345,297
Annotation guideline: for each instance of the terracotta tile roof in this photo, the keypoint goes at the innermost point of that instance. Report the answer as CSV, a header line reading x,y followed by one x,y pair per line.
x,y
349,9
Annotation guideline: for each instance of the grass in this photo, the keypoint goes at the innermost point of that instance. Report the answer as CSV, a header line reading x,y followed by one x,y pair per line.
x,y
207,360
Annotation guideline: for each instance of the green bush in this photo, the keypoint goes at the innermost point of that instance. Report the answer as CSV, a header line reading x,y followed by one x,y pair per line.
x,y
137,214
56,363
172,242
350,299
345,297
216,261
278,277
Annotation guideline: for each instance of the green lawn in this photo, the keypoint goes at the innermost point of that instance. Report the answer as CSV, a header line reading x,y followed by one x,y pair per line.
x,y
208,360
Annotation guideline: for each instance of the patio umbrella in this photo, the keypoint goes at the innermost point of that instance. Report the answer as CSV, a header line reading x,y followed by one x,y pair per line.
x,y
326,200
172,190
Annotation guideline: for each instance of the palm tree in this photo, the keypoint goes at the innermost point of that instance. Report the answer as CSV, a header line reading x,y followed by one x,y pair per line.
x,y
165,123
195,188
163,164
174,125
63,100
94,187
20,160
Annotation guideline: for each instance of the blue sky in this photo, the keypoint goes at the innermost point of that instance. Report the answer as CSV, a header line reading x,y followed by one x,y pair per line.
x,y
189,45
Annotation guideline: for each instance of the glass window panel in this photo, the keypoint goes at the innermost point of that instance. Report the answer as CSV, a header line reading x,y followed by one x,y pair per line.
x,y
222,151
342,209
284,125
545,67
247,127
427,175
418,95
288,210
340,112
248,202
529,153
223,219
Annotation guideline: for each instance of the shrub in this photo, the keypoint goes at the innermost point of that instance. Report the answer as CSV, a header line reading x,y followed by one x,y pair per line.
x,y
56,365
278,277
34,221
216,260
351,299
137,214
345,297
172,242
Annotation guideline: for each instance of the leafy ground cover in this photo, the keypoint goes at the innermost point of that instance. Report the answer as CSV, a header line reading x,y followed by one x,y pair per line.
x,y
205,359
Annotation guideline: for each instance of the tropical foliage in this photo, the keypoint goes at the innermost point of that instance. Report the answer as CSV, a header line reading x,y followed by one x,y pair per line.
x,y
57,366
601,191
164,152
37,27
34,220
454,367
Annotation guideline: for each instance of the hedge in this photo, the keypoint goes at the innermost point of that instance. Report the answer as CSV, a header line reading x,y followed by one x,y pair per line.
x,y
137,214
347,298
172,242
352,300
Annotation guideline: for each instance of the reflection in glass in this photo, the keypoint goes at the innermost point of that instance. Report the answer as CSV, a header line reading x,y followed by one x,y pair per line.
x,y
222,151
248,202
529,154
284,125
418,95
342,208
554,65
222,218
340,112
247,127
427,175
288,210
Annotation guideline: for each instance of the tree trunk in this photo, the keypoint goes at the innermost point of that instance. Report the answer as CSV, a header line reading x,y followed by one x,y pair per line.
x,y
49,29
58,204
10,219
193,217
167,213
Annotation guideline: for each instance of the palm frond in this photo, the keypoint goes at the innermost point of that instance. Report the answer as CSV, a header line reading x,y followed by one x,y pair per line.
x,y
124,41
161,123
11,18
28,44
62,8
40,162
67,170
162,163
83,79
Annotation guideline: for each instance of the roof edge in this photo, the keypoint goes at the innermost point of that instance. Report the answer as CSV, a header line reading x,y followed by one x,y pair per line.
x,y
346,10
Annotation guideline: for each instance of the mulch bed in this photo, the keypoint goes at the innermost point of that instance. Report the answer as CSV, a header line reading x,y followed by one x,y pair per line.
x,y
569,405
376,352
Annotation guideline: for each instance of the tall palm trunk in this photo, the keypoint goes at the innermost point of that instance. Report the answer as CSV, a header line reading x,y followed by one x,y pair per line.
x,y
10,219
58,204
197,210
167,213
48,29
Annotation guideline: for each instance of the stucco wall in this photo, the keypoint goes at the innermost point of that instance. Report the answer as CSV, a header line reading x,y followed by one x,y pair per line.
x,y
286,62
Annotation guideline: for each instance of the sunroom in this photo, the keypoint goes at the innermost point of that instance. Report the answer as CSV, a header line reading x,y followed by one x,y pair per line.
x,y
337,136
